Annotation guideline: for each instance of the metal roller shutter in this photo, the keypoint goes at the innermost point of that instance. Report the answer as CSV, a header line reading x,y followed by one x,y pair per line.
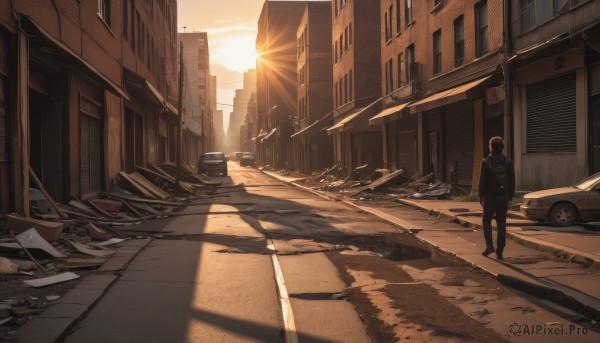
x,y
407,145
459,142
551,115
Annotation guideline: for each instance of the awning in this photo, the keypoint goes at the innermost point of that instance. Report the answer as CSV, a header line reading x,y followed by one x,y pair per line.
x,y
446,97
315,127
269,135
192,125
388,115
348,121
162,100
76,56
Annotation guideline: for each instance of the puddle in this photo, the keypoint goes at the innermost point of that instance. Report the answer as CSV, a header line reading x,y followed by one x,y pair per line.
x,y
401,252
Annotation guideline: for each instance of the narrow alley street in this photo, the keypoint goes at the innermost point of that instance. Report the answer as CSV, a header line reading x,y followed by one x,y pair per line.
x,y
345,277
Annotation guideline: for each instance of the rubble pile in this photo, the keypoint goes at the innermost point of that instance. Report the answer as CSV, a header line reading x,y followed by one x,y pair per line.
x,y
380,185
60,242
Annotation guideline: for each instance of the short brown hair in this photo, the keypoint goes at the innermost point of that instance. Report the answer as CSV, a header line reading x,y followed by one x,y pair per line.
x,y
497,144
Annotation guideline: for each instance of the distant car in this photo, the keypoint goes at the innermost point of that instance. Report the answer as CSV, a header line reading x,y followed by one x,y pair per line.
x,y
248,160
238,155
563,206
213,163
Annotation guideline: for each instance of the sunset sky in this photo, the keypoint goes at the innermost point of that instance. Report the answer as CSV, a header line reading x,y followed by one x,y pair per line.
x,y
232,28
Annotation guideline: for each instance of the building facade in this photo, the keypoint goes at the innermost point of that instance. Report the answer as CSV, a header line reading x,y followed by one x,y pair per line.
x,y
240,110
276,79
356,83
197,105
442,85
83,94
313,147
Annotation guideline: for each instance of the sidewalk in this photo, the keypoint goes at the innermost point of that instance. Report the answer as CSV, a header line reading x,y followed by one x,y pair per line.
x,y
525,267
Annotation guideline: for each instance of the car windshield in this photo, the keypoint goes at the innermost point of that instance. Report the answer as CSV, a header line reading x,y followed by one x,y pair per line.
x,y
248,154
213,157
588,181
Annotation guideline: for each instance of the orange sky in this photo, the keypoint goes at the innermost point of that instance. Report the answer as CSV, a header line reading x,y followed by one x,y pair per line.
x,y
232,28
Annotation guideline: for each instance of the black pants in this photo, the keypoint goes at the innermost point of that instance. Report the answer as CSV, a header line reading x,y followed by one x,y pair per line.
x,y
499,207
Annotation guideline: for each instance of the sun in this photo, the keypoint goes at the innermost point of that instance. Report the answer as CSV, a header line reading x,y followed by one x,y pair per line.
x,y
235,52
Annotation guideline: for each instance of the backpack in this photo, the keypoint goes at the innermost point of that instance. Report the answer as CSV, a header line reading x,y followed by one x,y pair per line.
x,y
497,183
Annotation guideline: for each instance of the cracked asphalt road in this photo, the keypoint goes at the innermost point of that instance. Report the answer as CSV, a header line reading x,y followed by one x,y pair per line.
x,y
350,278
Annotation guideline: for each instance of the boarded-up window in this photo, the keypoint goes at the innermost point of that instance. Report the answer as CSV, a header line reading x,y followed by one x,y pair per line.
x,y
551,115
90,146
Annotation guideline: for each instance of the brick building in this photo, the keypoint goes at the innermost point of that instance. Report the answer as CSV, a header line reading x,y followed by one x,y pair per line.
x,y
313,148
276,80
356,83
441,80
83,88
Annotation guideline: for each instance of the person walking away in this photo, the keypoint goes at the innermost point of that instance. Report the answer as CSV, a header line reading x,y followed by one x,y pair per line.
x,y
496,190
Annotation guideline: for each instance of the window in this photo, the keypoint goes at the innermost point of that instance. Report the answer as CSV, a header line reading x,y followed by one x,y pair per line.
x,y
437,52
335,90
350,87
346,39
335,52
389,28
410,61
387,79
399,70
345,88
459,41
125,20
335,5
391,72
387,32
408,12
104,10
350,34
481,28
398,19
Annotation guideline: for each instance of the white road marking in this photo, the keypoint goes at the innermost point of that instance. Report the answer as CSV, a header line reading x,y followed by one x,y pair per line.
x,y
289,325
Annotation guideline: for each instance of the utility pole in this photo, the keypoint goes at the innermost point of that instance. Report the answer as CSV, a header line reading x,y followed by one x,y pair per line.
x,y
180,113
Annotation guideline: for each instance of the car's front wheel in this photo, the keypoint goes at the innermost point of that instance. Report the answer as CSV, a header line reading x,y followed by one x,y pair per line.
x,y
563,214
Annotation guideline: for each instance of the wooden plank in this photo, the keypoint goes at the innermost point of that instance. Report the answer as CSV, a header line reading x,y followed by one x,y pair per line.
x,y
147,201
48,197
83,207
379,182
134,186
149,186
50,231
108,205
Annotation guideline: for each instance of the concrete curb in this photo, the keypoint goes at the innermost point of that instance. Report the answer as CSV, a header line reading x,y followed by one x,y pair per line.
x,y
58,320
541,291
559,251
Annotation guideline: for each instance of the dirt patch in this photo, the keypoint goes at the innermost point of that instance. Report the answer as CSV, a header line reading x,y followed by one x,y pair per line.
x,y
395,307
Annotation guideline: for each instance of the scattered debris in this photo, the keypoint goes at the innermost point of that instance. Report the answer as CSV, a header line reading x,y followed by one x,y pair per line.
x,y
51,280
7,266
32,240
